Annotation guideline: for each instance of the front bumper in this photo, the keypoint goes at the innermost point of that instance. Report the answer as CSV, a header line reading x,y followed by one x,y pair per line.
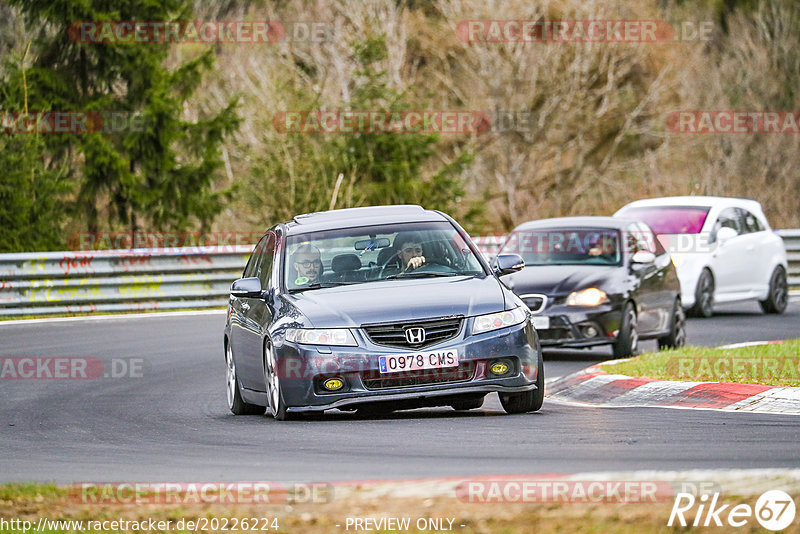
x,y
570,326
305,367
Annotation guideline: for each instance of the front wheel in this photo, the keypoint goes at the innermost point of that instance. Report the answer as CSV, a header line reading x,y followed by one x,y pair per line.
x,y
236,403
778,297
677,334
526,401
627,343
276,407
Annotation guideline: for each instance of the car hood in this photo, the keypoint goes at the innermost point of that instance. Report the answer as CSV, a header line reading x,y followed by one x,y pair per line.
x,y
559,280
399,300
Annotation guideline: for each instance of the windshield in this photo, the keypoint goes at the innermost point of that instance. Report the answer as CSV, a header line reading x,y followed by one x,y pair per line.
x,y
669,219
368,254
565,246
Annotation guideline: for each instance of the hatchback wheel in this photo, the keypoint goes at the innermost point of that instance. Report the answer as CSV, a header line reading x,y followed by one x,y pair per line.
x,y
627,343
704,296
778,297
677,335
236,404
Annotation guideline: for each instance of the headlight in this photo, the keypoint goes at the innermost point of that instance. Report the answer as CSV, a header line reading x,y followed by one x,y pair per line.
x,y
321,336
587,297
494,321
677,260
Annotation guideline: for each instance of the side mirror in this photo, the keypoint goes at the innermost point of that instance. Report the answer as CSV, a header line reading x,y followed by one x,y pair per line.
x,y
508,263
726,234
643,257
246,287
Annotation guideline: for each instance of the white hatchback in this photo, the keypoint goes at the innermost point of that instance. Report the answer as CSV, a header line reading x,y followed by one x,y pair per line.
x,y
723,249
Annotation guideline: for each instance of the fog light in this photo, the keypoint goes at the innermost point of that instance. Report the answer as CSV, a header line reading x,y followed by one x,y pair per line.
x,y
333,384
589,331
500,368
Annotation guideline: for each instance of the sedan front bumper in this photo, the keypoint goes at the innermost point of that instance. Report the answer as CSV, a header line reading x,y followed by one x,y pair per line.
x,y
574,327
304,369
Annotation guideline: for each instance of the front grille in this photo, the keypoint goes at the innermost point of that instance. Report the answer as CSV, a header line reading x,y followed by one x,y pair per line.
x,y
394,335
375,380
555,334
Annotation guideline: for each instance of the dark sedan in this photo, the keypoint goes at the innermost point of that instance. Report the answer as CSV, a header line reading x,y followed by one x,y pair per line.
x,y
597,281
380,309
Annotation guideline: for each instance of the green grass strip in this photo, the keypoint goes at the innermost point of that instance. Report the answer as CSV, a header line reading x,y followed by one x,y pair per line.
x,y
773,365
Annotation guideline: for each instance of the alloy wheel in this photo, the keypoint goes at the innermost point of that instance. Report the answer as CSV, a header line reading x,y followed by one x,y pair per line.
x,y
780,291
634,333
707,295
271,379
680,327
230,376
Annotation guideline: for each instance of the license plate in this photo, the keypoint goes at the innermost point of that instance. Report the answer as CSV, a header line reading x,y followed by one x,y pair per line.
x,y
541,322
396,363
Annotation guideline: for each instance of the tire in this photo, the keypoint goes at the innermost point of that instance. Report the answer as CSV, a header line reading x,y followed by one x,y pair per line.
x,y
627,343
778,297
704,296
276,407
526,401
236,404
463,405
677,329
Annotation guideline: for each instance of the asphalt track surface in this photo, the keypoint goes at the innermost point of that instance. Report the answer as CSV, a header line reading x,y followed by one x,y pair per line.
x,y
172,423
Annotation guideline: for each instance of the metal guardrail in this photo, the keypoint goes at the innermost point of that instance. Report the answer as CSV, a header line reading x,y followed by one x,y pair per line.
x,y
118,280
791,240
42,283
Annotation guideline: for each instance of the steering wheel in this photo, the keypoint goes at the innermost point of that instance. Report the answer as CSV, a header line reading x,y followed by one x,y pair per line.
x,y
431,266
385,265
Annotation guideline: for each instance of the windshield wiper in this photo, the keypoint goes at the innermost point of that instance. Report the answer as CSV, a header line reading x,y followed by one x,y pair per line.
x,y
321,285
422,275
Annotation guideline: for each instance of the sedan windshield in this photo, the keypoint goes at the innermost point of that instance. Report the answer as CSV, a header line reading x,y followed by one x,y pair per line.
x,y
566,246
669,219
369,254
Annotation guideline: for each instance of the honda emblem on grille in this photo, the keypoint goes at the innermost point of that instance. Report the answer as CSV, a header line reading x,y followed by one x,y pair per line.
x,y
415,335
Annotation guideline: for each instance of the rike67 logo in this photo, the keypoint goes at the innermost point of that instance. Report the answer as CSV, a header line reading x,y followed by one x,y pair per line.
x,y
774,510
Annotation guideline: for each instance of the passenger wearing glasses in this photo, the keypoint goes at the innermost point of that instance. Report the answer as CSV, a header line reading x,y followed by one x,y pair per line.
x,y
308,264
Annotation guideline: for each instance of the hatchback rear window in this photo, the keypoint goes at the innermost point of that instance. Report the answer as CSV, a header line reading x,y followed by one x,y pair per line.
x,y
669,219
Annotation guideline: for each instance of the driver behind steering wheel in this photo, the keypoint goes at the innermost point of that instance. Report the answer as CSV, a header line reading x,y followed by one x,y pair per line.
x,y
409,251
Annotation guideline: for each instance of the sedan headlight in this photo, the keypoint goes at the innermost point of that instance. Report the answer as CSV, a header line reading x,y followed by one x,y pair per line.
x,y
495,321
321,336
587,297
